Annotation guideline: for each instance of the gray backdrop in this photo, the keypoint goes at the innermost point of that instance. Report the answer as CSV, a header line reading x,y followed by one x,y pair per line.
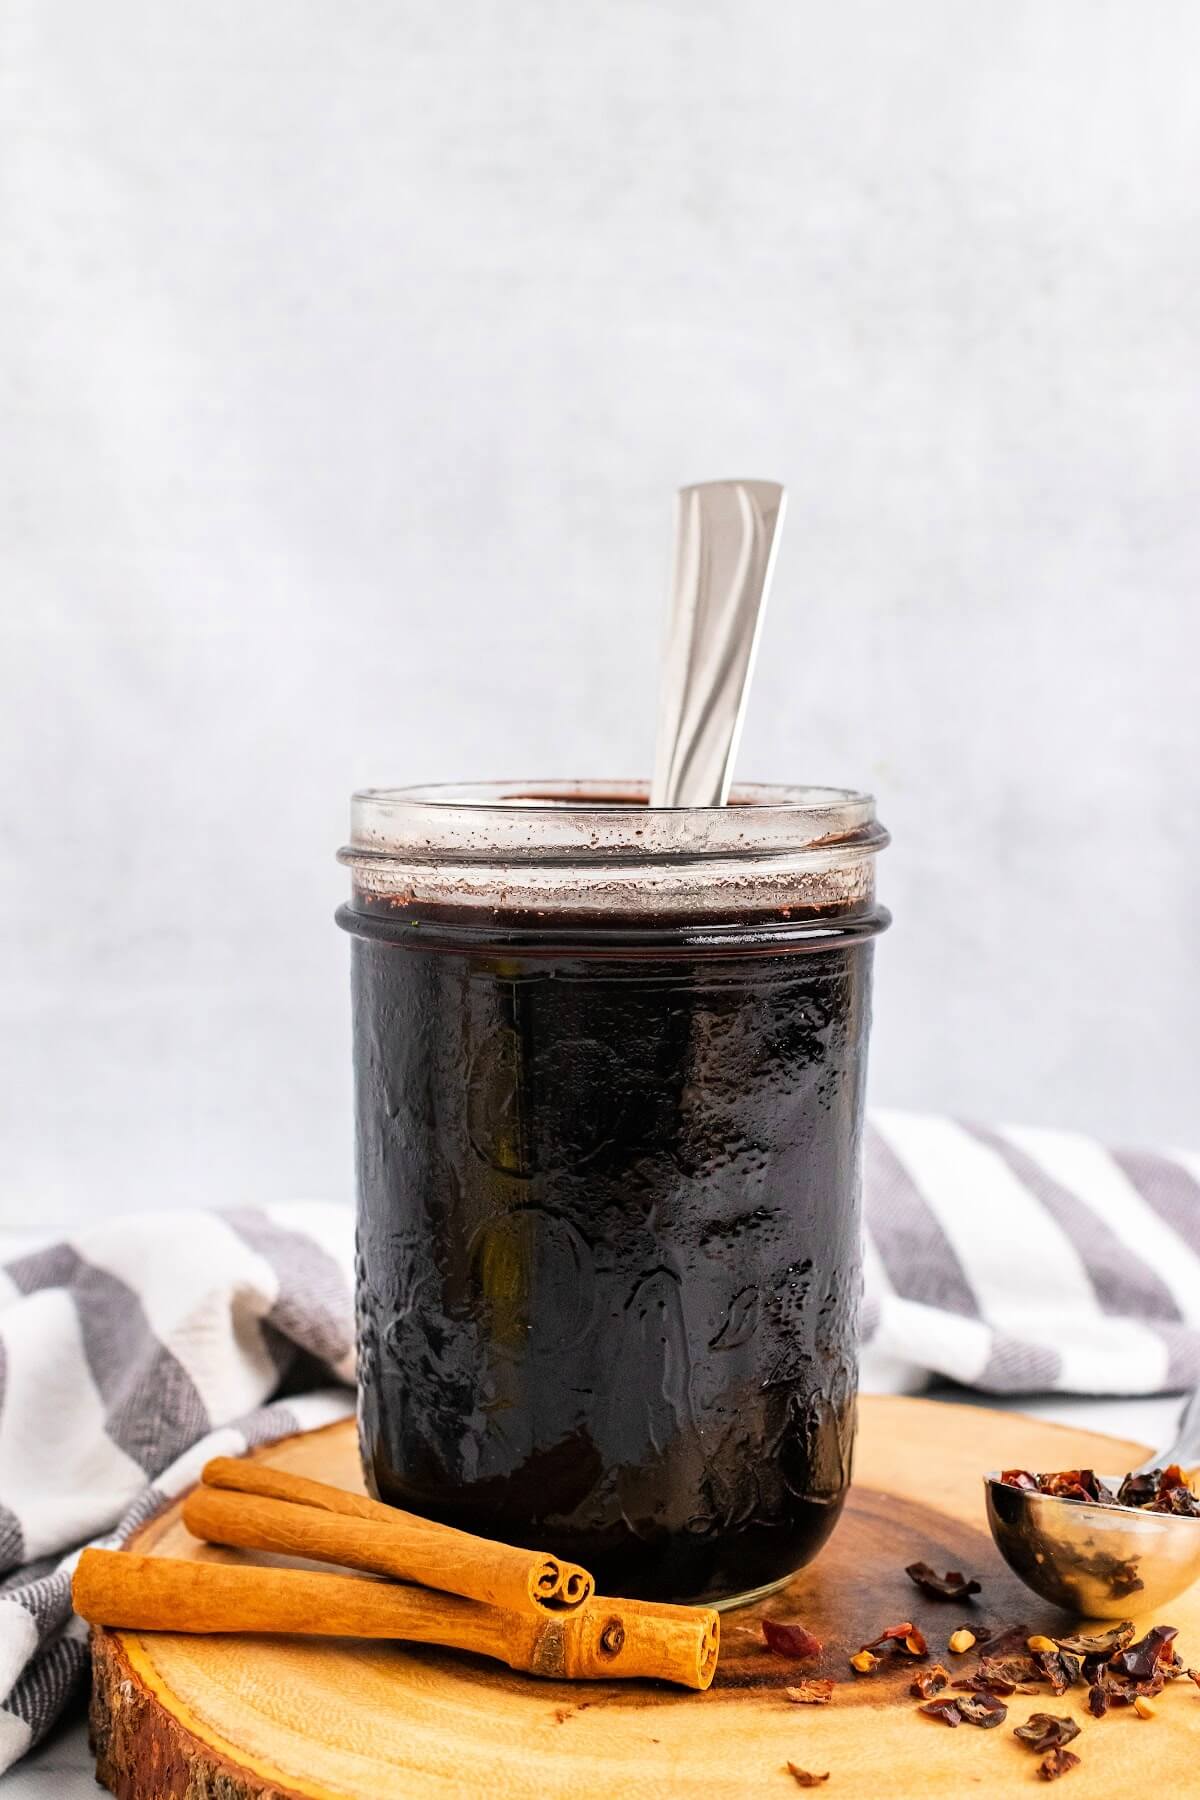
x,y
349,357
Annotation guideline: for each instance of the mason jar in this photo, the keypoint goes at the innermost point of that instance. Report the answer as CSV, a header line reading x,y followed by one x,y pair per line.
x,y
609,1066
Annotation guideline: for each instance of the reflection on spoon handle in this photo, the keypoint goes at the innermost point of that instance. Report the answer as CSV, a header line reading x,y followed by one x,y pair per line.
x,y
1184,1448
725,538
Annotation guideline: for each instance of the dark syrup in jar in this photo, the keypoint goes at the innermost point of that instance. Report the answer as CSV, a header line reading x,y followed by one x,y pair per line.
x,y
608,1242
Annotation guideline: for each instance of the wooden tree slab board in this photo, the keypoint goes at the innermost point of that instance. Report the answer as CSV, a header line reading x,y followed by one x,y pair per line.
x,y
223,1718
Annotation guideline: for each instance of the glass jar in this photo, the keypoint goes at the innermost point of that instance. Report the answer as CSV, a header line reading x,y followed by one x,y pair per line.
x,y
609,1069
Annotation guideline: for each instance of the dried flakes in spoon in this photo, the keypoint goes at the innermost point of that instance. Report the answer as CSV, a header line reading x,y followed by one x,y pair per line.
x,y
1158,1490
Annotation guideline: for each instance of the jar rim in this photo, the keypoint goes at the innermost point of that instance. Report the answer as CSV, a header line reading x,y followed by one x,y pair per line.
x,y
598,847
599,819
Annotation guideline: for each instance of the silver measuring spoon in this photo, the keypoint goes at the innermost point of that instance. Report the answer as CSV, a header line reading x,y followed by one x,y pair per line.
x,y
1102,1562
726,534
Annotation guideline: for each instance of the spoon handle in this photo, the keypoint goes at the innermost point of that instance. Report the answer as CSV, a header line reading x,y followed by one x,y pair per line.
x,y
726,533
1184,1448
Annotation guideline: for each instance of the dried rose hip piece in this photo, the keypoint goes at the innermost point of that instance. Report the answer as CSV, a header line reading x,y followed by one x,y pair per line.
x,y
984,1710
790,1640
1003,1675
894,1633
1077,1484
1059,1762
1045,1731
906,1635
1123,1691
1149,1657
1097,1700
1102,1643
930,1682
1160,1490
1059,1668
951,1586
946,1709
1138,1490
803,1778
817,1692
1064,1484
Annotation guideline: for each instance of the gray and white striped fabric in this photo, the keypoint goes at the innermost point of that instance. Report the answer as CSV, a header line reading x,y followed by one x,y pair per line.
x,y
1023,1261
128,1357
1012,1261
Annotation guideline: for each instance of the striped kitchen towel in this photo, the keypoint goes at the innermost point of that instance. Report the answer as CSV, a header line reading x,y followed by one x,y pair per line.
x,y
1028,1261
128,1356
1009,1260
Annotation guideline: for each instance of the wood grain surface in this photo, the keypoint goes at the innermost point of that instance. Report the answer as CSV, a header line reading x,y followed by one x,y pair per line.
x,y
178,1718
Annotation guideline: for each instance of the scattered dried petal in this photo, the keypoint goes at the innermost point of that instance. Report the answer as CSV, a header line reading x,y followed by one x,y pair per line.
x,y
929,1682
803,1778
959,1642
1059,1762
1122,1691
894,1633
1043,1646
1150,1656
984,1710
1044,1731
1101,1643
951,1586
815,1692
1004,1675
1059,1668
790,1640
864,1663
906,1634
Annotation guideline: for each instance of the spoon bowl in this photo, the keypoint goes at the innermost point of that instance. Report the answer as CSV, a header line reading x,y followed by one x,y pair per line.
x,y
1101,1562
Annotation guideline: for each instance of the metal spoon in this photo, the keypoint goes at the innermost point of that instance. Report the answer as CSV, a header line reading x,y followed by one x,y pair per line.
x,y
725,538
1102,1562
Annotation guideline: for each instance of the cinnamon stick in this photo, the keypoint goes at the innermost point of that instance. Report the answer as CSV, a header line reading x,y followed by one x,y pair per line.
x,y
330,1524
601,1640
